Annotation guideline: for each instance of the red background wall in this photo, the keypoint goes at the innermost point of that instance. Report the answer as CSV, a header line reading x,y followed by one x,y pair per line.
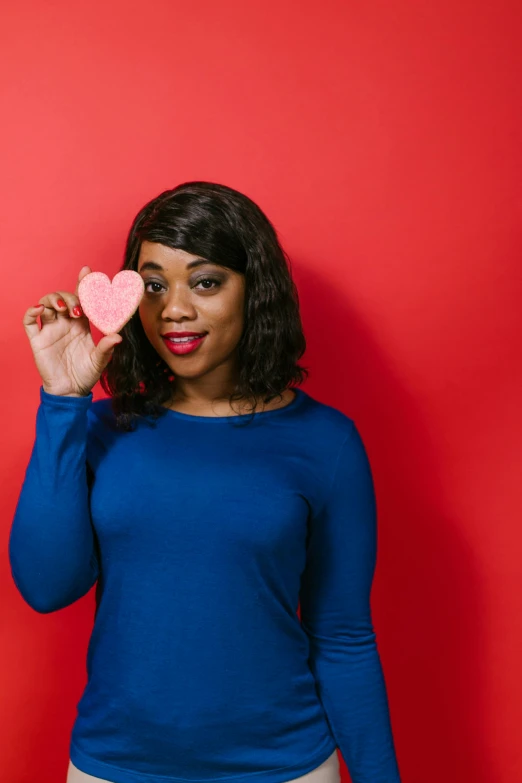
x,y
384,141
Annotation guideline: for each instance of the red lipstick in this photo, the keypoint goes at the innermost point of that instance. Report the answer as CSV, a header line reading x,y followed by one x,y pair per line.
x,y
185,346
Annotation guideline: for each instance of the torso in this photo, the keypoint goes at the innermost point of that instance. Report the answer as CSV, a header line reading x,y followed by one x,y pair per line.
x,y
327,772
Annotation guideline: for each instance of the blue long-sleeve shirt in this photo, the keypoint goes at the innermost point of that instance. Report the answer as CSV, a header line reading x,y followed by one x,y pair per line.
x,y
204,536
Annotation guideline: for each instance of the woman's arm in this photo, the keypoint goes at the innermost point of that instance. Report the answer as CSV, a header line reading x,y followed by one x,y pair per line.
x,y
336,616
52,546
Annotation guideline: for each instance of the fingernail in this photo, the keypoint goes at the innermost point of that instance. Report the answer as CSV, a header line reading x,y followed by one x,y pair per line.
x,y
77,310
60,303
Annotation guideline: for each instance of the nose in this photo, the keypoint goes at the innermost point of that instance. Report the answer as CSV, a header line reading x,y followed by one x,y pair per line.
x,y
179,304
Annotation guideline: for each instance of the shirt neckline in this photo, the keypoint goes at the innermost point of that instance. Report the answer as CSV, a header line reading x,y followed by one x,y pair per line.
x,y
300,395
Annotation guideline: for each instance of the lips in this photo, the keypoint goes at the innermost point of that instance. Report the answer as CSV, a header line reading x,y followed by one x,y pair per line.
x,y
183,334
183,339
185,346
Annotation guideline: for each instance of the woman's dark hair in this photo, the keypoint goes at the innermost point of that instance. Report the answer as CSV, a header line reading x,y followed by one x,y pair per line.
x,y
224,226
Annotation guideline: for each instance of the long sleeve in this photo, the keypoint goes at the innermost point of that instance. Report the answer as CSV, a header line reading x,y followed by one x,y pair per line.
x,y
52,547
336,616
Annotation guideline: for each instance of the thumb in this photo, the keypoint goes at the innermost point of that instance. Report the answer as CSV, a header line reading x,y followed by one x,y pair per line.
x,y
105,347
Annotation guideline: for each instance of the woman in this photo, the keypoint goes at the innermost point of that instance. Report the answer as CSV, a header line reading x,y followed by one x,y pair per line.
x,y
207,499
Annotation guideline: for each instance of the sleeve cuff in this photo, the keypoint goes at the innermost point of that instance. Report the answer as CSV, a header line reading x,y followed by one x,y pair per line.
x,y
59,400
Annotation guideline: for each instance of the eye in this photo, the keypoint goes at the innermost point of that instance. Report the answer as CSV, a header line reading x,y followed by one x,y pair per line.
x,y
152,282
217,283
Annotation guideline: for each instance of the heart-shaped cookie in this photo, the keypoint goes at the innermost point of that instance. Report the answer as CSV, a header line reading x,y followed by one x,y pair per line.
x,y
110,305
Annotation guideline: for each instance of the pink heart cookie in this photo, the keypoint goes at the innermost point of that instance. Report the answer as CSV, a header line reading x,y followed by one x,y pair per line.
x,y
110,305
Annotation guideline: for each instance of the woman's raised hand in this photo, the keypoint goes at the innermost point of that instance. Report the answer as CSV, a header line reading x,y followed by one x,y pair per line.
x,y
69,362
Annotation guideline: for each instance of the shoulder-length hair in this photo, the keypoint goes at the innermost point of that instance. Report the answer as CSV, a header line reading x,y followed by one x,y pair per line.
x,y
224,226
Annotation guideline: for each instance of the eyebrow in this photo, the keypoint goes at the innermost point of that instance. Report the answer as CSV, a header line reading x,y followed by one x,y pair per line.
x,y
158,268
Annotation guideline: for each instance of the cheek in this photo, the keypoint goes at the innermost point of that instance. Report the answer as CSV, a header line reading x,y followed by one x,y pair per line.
x,y
148,319
222,312
143,311
149,307
230,324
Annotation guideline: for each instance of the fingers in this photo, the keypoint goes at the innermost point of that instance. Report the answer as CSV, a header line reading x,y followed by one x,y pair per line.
x,y
54,305
70,304
59,304
30,321
71,300
48,309
85,270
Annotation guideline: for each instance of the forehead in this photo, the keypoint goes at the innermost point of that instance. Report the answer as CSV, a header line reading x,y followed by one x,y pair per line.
x,y
156,256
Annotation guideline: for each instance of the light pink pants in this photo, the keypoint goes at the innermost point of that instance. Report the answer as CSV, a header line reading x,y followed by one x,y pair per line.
x,y
327,772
